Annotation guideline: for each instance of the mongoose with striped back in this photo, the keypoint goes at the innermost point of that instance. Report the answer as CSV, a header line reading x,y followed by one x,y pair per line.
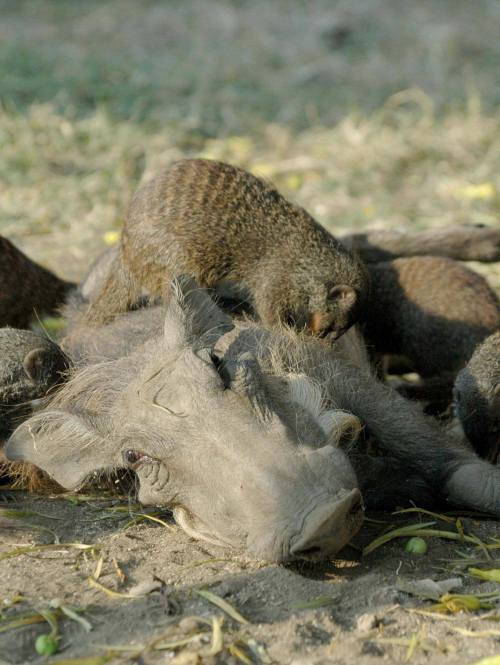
x,y
233,232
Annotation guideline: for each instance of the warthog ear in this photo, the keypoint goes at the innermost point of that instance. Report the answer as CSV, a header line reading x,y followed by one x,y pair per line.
x,y
242,375
193,316
67,446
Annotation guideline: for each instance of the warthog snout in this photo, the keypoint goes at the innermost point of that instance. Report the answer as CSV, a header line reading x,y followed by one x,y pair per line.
x,y
329,527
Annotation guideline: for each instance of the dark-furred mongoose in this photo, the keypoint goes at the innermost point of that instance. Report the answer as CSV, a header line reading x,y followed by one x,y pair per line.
x,y
433,310
30,367
27,290
477,398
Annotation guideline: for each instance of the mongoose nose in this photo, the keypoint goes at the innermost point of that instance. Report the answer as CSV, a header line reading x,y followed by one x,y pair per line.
x,y
329,527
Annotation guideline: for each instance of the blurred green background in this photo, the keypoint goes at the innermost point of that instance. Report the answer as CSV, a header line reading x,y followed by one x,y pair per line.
x,y
368,112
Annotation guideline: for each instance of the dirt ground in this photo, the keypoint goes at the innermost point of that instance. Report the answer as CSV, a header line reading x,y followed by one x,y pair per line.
x,y
360,615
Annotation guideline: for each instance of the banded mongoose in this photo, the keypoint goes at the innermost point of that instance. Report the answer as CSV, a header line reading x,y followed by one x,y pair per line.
x,y
477,398
27,290
30,364
238,234
30,367
465,242
432,310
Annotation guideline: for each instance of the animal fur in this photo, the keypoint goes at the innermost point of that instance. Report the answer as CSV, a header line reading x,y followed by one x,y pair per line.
x,y
232,231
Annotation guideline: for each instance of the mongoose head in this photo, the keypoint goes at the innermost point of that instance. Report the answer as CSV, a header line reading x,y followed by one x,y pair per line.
x,y
334,305
31,365
338,314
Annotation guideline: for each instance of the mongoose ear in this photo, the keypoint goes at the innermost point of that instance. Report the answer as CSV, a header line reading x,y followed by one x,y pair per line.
x,y
345,295
35,364
42,364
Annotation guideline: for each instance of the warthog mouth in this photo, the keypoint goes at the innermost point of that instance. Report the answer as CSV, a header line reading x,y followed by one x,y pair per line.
x,y
195,528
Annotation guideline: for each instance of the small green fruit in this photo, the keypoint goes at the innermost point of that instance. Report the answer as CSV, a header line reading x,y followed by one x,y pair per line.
x,y
416,546
46,645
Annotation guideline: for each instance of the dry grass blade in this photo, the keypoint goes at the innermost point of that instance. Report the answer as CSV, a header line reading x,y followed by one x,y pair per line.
x,y
119,572
51,618
490,575
175,644
416,641
111,593
313,603
490,660
98,568
222,604
24,620
412,646
423,511
235,649
10,517
422,531
35,527
119,648
28,549
476,633
400,532
13,513
74,616
154,518
453,603
217,636
92,660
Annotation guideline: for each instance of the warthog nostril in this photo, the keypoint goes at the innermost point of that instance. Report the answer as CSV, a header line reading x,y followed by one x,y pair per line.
x,y
329,527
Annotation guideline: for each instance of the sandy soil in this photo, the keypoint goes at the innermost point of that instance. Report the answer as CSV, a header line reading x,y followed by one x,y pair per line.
x,y
362,617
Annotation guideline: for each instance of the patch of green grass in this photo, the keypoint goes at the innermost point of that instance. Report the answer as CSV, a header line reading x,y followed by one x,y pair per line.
x,y
221,67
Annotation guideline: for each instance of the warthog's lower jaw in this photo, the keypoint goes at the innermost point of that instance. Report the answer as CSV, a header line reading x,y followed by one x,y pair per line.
x,y
329,527
195,528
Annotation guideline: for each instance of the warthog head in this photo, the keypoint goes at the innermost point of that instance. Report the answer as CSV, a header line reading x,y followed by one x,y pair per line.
x,y
244,457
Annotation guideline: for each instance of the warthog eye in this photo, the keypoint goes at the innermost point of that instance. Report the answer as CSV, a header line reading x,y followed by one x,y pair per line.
x,y
216,360
133,457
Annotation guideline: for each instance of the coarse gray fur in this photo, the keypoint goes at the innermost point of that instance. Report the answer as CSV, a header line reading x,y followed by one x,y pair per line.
x,y
477,398
241,430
